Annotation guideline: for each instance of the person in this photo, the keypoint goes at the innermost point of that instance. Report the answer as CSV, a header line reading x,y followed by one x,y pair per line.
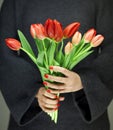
x,y
86,91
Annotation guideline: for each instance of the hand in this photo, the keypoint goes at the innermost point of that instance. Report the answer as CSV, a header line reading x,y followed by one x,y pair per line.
x,y
70,83
48,102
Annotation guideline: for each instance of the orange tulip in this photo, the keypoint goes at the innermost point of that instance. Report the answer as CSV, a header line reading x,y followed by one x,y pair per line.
x,y
38,30
97,40
71,29
88,36
68,47
76,38
13,44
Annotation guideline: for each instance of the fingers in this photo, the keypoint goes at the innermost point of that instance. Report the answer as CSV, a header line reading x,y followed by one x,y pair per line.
x,y
61,70
49,102
70,83
54,86
48,94
59,79
55,78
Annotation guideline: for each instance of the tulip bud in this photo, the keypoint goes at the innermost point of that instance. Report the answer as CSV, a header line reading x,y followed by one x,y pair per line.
x,y
76,38
68,47
88,36
38,30
71,29
97,40
13,44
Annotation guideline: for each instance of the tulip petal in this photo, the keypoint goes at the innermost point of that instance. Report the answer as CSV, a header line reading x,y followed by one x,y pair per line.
x,y
97,40
88,36
49,27
58,31
76,38
68,47
32,31
71,29
38,30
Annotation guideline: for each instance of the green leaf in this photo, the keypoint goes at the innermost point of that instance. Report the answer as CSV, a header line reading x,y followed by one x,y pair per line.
x,y
39,45
50,52
59,54
43,71
81,57
40,59
60,57
25,43
47,43
66,60
55,63
46,65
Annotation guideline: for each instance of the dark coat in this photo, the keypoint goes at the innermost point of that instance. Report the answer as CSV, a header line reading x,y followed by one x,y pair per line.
x,y
20,79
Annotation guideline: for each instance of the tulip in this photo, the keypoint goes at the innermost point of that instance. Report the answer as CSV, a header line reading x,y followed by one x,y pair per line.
x,y
58,31
54,29
97,40
32,30
38,31
68,47
13,44
76,38
88,36
49,27
71,29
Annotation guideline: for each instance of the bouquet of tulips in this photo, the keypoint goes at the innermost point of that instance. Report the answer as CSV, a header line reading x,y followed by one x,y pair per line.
x,y
52,49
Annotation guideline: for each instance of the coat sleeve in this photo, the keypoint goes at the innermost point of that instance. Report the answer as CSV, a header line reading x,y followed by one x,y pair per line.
x,y
19,78
97,77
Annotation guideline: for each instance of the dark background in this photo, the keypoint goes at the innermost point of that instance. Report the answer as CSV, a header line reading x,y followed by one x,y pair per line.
x,y
4,112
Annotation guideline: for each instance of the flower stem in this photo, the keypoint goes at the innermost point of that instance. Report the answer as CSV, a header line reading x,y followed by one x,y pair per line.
x,y
62,45
81,53
45,53
79,49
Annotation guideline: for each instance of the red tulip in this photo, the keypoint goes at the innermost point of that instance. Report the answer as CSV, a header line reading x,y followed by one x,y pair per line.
x,y
88,36
54,29
49,27
58,31
76,38
38,30
97,40
71,29
13,44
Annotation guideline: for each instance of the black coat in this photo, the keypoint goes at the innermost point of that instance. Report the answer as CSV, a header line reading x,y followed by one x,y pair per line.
x,y
20,79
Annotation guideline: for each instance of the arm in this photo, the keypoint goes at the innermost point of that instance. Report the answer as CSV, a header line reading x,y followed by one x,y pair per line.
x,y
97,77
19,79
